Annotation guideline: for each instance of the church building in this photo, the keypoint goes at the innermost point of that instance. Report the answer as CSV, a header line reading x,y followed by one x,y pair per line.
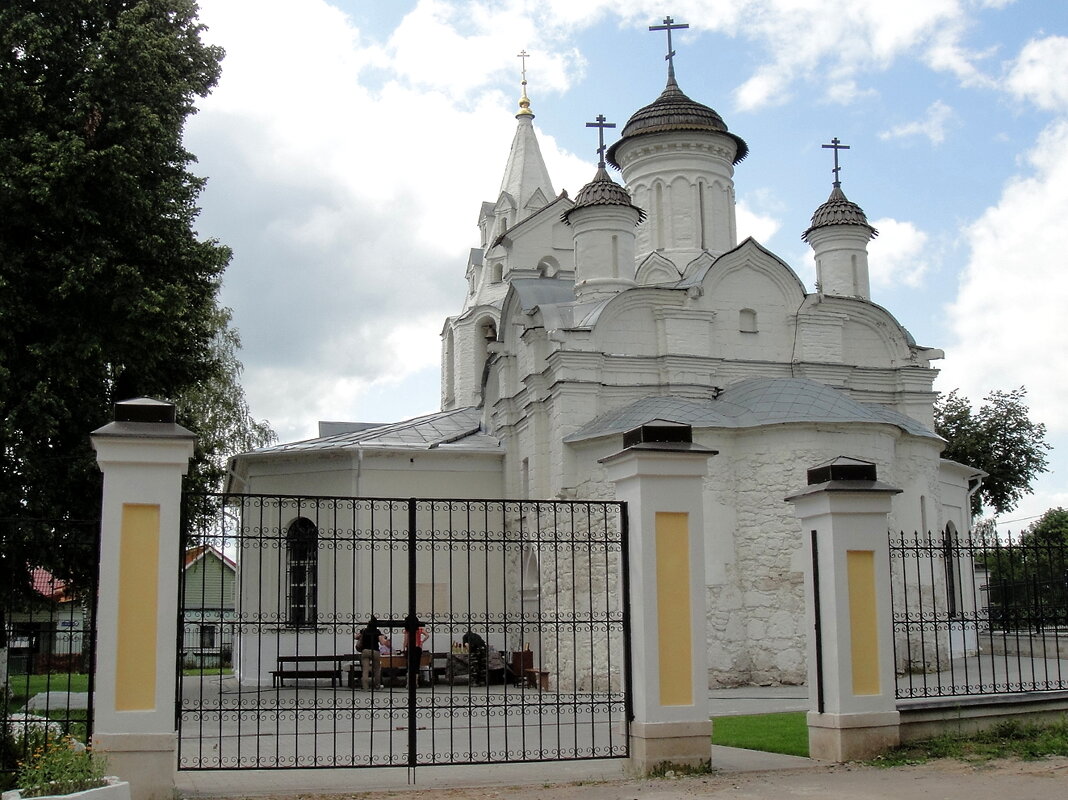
x,y
633,301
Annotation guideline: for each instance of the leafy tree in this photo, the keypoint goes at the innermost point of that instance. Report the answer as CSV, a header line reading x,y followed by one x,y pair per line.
x,y
106,291
1049,529
999,438
216,410
1028,579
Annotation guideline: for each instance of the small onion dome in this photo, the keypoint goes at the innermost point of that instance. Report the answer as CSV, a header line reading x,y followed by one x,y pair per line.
x,y
602,191
674,111
838,210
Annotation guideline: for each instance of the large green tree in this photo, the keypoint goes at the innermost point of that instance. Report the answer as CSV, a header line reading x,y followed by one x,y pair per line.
x,y
1000,438
106,290
1028,578
219,414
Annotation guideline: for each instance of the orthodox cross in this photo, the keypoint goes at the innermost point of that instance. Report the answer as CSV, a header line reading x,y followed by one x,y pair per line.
x,y
600,124
836,145
523,55
669,26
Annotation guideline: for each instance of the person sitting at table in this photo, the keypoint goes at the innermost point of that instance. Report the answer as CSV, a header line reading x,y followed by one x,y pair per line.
x,y
368,642
476,646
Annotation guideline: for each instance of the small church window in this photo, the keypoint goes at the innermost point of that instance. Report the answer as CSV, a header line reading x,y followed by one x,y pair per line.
x,y
302,572
747,320
498,272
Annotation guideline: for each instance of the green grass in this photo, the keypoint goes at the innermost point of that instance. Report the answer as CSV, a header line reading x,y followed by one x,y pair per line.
x,y
208,671
25,686
773,733
1010,739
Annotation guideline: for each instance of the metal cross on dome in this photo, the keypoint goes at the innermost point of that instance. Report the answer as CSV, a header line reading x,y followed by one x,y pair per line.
x,y
836,145
600,124
523,55
669,26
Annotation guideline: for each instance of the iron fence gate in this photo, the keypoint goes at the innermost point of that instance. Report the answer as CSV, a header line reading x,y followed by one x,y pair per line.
x,y
47,635
520,609
978,615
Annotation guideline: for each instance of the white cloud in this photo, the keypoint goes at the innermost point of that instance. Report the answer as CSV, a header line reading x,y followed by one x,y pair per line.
x,y
933,125
829,44
1009,315
1040,73
347,165
898,255
753,223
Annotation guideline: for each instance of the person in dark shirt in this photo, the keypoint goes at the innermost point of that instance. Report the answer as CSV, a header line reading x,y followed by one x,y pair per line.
x,y
476,646
368,642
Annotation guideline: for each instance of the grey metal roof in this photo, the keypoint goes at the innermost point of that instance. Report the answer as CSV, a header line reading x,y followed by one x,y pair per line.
x,y
602,191
674,111
751,403
457,428
534,292
838,210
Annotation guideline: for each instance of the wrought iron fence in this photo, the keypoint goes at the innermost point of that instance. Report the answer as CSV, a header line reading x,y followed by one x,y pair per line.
x,y
979,615
47,640
507,621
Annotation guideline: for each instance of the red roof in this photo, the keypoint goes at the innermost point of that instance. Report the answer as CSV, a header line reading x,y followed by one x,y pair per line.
x,y
194,554
48,585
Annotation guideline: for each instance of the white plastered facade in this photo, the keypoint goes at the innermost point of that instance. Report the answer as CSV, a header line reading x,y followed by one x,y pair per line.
x,y
717,334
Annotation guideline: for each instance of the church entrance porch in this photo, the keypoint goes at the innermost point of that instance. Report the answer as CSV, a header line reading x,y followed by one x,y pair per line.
x,y
504,634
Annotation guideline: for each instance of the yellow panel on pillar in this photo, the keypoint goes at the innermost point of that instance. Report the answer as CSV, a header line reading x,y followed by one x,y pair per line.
x,y
673,606
863,622
135,667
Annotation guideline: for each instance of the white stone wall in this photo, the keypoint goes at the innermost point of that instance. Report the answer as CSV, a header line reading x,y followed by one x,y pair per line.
x,y
685,183
580,589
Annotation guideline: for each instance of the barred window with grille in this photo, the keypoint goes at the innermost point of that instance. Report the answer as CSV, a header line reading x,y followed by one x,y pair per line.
x,y
302,555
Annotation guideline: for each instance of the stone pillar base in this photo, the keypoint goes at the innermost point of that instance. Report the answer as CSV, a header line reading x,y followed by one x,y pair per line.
x,y
847,737
147,761
654,743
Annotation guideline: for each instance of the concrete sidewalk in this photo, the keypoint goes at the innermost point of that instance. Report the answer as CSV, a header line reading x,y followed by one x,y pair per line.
x,y
725,761
757,700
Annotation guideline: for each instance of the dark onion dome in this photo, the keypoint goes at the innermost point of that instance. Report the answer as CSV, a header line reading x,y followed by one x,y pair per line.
x,y
602,191
674,111
838,210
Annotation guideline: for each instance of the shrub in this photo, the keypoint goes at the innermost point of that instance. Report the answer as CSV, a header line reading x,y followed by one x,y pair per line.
x,y
60,765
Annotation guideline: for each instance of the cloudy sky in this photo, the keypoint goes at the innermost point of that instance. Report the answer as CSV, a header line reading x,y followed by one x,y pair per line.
x,y
350,143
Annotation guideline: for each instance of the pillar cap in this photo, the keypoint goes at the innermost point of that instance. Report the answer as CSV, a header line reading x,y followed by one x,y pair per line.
x,y
844,474
842,468
659,431
660,436
145,417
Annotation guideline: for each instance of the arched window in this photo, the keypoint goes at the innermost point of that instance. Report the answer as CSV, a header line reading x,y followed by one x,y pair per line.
x,y
498,272
302,572
747,320
548,267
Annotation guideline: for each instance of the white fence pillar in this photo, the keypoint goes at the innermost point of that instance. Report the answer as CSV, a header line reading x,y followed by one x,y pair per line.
x,y
143,455
851,680
660,476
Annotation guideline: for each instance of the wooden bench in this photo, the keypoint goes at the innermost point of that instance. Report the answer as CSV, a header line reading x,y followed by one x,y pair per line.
x,y
308,667
537,679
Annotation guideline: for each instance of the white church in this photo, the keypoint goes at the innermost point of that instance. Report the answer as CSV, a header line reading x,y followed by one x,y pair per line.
x,y
587,317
